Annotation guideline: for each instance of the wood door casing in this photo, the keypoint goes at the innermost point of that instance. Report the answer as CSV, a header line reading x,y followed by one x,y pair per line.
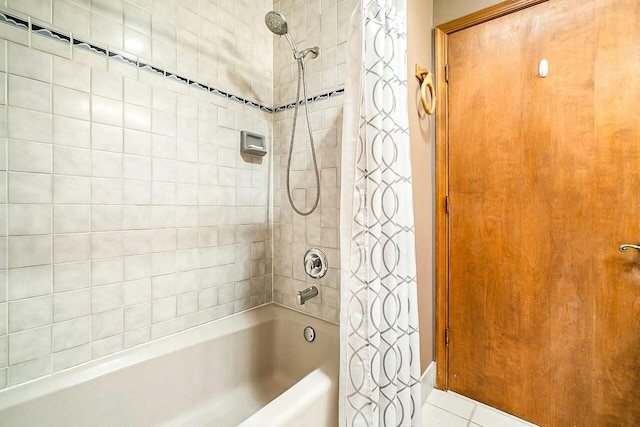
x,y
544,184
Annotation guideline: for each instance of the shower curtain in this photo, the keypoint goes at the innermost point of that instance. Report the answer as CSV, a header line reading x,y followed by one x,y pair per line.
x,y
380,362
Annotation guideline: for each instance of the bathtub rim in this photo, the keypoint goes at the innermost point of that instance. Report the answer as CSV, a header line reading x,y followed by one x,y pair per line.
x,y
40,387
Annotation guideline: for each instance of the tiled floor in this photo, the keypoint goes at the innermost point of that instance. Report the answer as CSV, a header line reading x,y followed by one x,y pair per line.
x,y
452,410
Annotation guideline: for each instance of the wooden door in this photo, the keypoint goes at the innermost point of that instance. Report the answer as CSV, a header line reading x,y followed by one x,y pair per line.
x,y
543,187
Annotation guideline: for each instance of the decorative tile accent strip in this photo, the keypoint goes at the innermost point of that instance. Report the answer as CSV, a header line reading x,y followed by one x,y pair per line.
x,y
89,47
177,78
150,68
14,21
311,99
197,85
7,18
54,35
123,58
218,92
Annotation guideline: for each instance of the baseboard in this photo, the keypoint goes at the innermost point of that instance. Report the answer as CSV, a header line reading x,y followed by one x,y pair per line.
x,y
427,381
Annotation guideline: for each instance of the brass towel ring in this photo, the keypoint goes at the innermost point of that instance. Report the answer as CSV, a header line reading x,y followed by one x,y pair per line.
x,y
426,82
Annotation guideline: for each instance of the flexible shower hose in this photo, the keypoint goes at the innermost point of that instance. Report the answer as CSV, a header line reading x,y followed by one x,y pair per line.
x,y
301,79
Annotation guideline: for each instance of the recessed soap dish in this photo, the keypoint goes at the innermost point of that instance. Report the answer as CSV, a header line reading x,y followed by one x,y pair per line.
x,y
252,143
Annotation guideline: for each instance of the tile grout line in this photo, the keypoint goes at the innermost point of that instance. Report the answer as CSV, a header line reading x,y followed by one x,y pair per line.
x,y
122,166
90,260
6,203
51,247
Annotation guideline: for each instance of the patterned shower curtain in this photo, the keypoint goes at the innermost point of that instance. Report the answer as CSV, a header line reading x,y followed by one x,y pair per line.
x,y
380,362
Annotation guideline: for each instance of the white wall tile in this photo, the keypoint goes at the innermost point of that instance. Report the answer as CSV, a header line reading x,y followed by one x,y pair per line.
x,y
25,251
71,161
137,18
136,142
71,189
29,219
3,320
28,62
136,92
71,132
40,9
136,291
107,191
187,303
71,357
107,111
3,90
71,276
106,297
29,370
137,316
137,242
163,146
106,346
29,156
207,298
163,309
134,156
107,271
163,286
71,334
106,84
106,138
28,125
106,324
105,31
164,100
29,345
29,93
135,218
71,17
163,170
4,350
71,305
137,167
164,123
137,43
71,247
30,313
137,337
106,245
30,282
136,117
71,103
106,218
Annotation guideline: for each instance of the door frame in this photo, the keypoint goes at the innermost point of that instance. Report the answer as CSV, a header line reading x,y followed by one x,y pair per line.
x,y
442,33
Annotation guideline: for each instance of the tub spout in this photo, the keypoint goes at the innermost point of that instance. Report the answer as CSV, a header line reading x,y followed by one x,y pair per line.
x,y
306,294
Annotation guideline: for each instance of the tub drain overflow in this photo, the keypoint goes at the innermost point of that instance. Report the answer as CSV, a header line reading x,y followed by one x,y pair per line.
x,y
309,334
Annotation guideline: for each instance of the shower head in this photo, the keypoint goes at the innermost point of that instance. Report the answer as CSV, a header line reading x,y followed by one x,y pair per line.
x,y
276,23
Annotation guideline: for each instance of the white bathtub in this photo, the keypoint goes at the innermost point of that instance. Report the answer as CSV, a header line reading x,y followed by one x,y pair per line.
x,y
251,369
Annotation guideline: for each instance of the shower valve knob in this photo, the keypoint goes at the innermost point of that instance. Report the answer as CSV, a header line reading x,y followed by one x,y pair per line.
x,y
315,263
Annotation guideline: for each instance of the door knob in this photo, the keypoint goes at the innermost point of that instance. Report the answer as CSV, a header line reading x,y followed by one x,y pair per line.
x,y
625,248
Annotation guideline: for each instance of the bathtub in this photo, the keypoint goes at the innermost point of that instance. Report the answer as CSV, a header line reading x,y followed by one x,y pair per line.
x,y
251,369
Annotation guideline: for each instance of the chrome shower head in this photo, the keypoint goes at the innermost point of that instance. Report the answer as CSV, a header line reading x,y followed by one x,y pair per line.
x,y
276,23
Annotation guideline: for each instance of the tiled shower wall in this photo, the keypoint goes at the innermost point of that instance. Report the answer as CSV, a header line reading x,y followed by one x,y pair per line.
x,y
324,24
128,213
